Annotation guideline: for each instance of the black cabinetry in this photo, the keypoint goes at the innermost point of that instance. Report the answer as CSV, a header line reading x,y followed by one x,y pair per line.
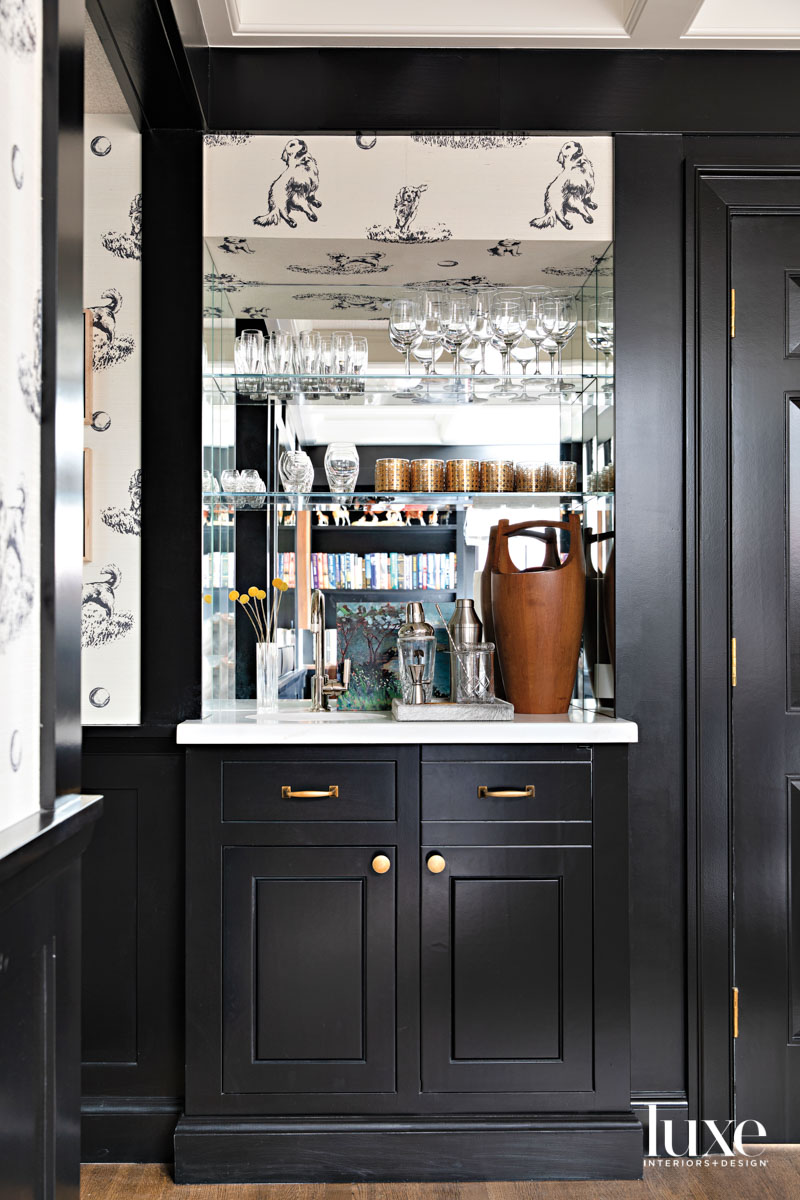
x,y
419,941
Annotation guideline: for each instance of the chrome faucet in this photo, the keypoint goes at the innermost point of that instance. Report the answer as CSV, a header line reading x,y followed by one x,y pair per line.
x,y
322,688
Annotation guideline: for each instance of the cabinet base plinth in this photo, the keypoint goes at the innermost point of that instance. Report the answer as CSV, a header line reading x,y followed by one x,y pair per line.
x,y
236,1150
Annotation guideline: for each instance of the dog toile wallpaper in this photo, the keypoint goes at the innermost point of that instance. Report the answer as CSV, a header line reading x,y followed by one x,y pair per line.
x,y
110,608
314,226
20,410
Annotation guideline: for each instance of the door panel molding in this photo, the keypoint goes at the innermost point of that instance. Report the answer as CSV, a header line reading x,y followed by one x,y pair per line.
x,y
725,177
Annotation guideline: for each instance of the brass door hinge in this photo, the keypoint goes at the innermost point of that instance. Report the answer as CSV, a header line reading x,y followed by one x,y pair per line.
x,y
736,1012
733,312
733,662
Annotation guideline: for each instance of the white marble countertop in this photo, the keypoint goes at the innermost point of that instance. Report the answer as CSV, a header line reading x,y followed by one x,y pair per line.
x,y
236,724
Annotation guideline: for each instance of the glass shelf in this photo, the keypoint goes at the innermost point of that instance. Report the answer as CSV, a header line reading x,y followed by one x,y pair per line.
x,y
393,390
259,501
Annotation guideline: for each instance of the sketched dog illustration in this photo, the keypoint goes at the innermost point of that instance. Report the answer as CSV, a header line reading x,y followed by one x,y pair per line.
x,y
295,189
506,246
570,191
104,316
101,619
101,591
235,245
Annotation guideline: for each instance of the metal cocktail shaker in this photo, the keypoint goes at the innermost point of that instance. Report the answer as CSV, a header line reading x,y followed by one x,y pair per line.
x,y
466,628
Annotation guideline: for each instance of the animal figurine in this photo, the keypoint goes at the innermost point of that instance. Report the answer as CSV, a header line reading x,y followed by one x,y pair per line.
x,y
340,515
406,203
101,591
371,515
295,189
322,517
395,515
104,316
570,191
414,512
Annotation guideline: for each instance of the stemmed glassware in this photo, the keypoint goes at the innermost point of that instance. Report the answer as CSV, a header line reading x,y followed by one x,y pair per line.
x,y
405,325
525,352
600,327
507,321
432,312
481,326
456,326
559,321
534,302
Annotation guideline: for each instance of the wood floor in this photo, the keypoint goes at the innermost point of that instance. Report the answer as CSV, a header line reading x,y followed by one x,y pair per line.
x,y
778,1180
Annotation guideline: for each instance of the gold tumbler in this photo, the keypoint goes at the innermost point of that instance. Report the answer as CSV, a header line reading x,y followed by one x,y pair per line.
x,y
525,478
427,475
392,475
463,475
497,475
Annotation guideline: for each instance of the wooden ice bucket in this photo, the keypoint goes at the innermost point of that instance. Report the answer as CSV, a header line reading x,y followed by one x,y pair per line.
x,y
537,617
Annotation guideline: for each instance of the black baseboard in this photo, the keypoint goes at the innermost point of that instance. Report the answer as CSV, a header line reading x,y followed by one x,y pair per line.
x,y
668,1106
135,1129
233,1150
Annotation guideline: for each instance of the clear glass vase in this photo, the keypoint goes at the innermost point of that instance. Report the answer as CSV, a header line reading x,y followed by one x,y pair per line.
x,y
268,669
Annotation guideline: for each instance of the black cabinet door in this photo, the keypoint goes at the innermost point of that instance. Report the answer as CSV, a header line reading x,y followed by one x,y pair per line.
x,y
507,970
308,961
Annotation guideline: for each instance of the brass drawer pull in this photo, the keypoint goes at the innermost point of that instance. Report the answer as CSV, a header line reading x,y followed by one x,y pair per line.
x,y
332,793
484,793
380,864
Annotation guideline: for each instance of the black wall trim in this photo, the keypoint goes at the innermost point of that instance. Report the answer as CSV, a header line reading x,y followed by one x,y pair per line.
x,y
129,1128
144,47
746,91
649,554
62,398
172,182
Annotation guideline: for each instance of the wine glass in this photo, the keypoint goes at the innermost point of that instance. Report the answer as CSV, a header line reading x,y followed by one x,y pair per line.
x,y
341,466
432,316
559,321
456,320
507,321
524,353
534,299
471,355
600,327
481,326
405,321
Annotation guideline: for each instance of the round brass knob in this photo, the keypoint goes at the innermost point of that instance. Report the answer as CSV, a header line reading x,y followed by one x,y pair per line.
x,y
380,864
435,863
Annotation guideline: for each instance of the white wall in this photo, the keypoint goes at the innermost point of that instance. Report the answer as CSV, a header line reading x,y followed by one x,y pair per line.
x,y
111,611
20,405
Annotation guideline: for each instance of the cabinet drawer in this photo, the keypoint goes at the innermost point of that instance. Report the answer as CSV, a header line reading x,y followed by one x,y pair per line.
x,y
274,791
474,791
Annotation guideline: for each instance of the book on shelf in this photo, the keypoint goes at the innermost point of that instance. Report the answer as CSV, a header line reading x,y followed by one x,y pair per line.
x,y
373,572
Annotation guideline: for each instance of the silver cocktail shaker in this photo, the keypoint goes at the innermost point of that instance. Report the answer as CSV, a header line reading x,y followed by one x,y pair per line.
x,y
465,627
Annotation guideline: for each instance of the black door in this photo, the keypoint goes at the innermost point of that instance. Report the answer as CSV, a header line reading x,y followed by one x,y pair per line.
x,y
308,962
765,473
507,970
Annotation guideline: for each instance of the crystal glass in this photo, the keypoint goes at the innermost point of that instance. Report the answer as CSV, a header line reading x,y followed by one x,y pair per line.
x,y
433,307
268,667
600,327
325,361
481,326
280,352
559,321
405,325
342,350
359,355
308,351
525,353
251,349
534,331
507,320
471,355
210,483
232,484
341,466
251,482
456,324
475,673
426,354
296,471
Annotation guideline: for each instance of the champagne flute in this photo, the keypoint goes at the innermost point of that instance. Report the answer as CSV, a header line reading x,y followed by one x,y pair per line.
x,y
405,322
507,320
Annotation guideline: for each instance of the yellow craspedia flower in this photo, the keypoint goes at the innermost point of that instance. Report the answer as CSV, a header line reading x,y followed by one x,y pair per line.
x,y
234,595
262,595
244,599
280,585
253,591
207,599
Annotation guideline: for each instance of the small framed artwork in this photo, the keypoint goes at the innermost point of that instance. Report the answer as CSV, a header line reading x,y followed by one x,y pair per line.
x,y
88,341
87,504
